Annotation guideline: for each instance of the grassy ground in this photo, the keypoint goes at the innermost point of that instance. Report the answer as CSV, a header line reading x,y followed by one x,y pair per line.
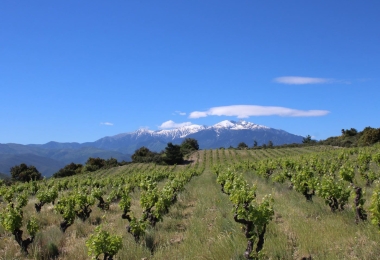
x,y
201,226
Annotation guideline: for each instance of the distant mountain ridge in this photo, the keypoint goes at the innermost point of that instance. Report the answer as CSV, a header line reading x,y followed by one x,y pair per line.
x,y
223,134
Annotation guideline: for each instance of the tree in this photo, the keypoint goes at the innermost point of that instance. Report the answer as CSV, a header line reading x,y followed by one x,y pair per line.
x,y
270,144
25,173
254,143
111,162
306,139
242,145
370,136
349,132
144,155
141,152
68,170
189,145
94,164
173,154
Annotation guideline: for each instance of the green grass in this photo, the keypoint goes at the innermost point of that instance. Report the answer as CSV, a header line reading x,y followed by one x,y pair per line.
x,y
302,228
200,224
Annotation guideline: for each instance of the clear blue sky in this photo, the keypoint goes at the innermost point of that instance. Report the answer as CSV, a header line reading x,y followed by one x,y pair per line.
x,y
76,71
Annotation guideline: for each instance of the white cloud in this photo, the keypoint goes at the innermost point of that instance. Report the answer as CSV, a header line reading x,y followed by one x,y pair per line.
x,y
106,123
171,124
341,81
245,111
180,113
292,80
198,114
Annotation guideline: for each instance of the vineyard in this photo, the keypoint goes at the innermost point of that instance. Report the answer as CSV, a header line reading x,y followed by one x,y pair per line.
x,y
315,202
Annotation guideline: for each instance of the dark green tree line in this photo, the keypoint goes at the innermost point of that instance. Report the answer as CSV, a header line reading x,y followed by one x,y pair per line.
x,y
25,173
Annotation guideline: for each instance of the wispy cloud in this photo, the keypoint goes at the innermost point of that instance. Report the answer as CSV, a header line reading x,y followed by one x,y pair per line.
x,y
245,111
106,123
171,124
293,80
179,113
364,79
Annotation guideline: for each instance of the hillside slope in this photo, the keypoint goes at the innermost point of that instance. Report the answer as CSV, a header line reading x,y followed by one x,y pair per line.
x,y
200,224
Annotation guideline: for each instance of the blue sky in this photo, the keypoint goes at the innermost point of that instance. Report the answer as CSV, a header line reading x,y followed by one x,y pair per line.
x,y
76,71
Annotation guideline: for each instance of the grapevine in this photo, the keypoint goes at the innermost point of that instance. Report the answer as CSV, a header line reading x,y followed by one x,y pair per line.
x,y
45,196
102,242
252,215
11,219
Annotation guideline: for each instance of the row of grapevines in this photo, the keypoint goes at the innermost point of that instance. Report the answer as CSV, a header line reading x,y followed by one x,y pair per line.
x,y
252,214
331,175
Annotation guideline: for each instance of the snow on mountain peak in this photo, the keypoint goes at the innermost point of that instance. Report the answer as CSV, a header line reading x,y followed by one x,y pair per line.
x,y
193,127
143,131
242,124
225,124
185,128
183,131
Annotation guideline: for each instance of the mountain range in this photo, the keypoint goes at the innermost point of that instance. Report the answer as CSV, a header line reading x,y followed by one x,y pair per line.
x,y
50,157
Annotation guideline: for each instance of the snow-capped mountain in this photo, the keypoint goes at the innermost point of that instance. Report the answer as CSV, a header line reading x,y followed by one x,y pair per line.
x,y
180,132
223,134
232,125
184,131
